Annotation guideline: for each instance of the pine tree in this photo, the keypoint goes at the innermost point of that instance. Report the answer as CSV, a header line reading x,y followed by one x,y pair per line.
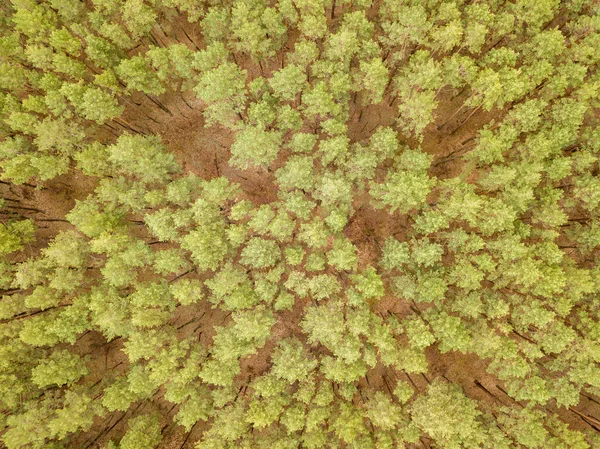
x,y
285,224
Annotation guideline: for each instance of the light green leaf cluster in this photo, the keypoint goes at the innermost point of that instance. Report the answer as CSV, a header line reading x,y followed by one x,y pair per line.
x,y
292,221
62,367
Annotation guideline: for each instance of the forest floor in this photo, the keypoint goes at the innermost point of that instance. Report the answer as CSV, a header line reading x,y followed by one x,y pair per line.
x,y
205,152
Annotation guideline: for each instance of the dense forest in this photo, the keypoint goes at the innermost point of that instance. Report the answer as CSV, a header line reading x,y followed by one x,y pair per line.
x,y
281,224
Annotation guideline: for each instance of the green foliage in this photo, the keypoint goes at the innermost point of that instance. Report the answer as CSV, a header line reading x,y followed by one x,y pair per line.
x,y
405,189
143,433
76,414
187,291
207,241
138,75
260,253
374,76
403,391
290,361
297,173
323,286
382,412
143,157
369,284
118,395
447,415
92,103
288,82
395,254
255,146
259,29
282,226
198,407
299,223
91,220
342,255
223,88
14,235
314,234
62,367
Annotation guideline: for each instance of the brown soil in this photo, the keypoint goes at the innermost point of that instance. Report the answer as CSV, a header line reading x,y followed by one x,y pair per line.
x,y
205,152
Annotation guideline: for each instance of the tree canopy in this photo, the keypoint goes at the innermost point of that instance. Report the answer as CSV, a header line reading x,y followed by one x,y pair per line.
x,y
299,224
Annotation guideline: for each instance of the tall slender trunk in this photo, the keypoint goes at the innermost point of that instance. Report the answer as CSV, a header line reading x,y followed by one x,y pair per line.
x,y
190,39
466,120
159,104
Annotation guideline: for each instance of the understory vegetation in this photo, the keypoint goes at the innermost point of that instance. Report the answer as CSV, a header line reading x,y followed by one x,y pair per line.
x,y
282,224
